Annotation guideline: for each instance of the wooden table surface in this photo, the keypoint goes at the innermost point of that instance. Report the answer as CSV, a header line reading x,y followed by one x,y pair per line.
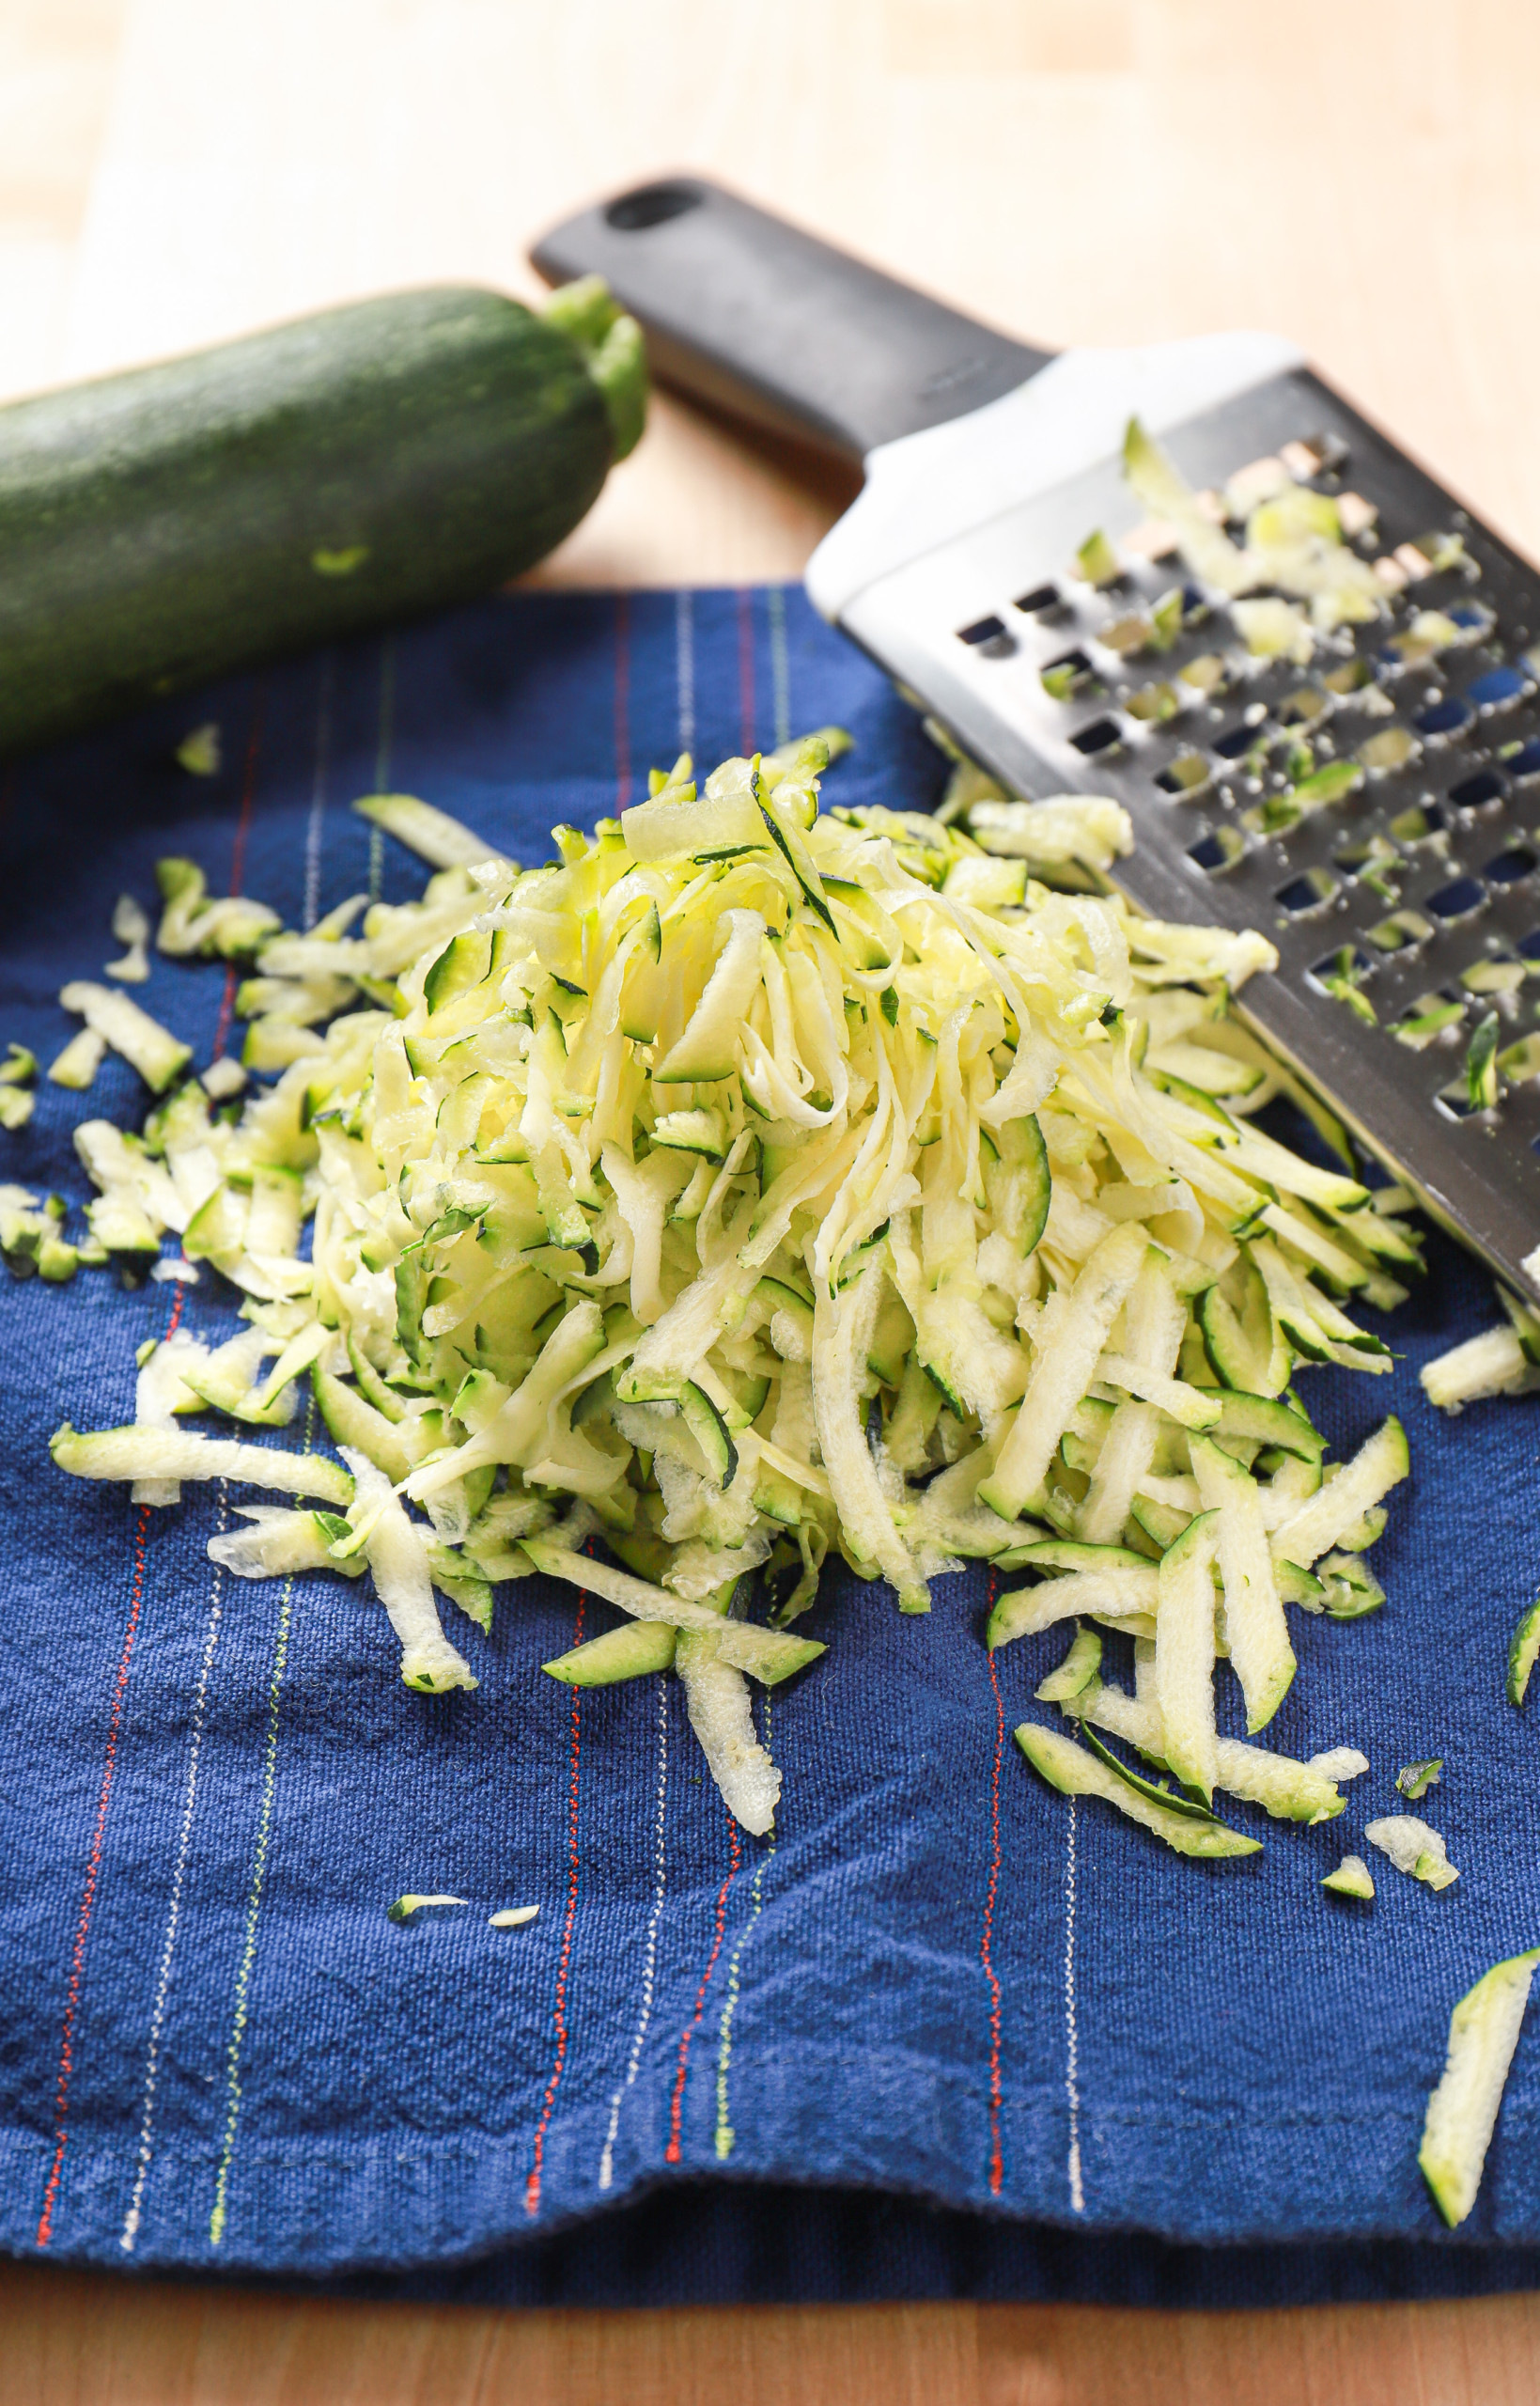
x,y
1362,174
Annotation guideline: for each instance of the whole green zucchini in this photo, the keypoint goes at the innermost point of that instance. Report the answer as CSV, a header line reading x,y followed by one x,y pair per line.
x,y
178,521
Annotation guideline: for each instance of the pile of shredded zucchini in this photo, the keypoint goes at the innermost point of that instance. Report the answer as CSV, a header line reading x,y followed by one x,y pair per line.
x,y
750,1181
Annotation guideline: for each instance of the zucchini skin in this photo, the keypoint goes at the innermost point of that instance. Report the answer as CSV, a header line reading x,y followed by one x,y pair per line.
x,y
161,526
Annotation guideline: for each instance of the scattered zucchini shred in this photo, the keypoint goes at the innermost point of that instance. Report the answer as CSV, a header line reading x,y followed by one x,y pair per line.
x,y
30,1238
160,1057
1523,1648
406,1907
1351,1878
750,1183
1413,1848
512,1916
131,926
18,1075
1415,1779
198,752
1463,2109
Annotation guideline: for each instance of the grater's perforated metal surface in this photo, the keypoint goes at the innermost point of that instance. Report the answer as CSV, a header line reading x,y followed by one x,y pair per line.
x,y
1449,836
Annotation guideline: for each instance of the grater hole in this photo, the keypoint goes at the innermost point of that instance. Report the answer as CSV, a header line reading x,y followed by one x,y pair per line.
x,y
1431,554
1497,977
1352,678
1473,619
1530,947
1429,1017
1097,563
987,636
1430,633
1355,515
1420,824
1185,776
1522,762
1217,851
1312,455
1393,747
1372,860
1042,599
1275,816
1461,899
1499,689
1206,675
1512,867
1480,791
1103,735
1237,742
1303,709
1402,931
1069,674
1151,704
1520,1062
1350,965
1126,635
1443,720
1259,480
1153,541
1303,897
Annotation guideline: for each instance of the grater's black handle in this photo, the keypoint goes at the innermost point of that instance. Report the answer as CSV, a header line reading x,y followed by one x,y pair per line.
x,y
758,318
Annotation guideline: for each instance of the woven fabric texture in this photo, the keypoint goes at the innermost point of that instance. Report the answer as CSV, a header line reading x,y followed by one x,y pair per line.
x,y
937,1981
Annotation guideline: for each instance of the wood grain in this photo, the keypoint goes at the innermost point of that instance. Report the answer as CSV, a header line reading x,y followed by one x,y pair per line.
x,y
79,2339
1364,177
1362,174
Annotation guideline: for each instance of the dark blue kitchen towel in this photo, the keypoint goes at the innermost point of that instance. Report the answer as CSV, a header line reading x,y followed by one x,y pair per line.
x,y
937,1982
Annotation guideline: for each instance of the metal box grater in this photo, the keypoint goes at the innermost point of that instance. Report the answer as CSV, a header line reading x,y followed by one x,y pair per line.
x,y
1426,878
1407,914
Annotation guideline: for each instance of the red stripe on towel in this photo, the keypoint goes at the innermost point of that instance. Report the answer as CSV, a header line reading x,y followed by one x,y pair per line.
x,y
93,1861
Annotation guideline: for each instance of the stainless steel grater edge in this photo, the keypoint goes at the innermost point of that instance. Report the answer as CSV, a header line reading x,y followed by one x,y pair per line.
x,y
1405,912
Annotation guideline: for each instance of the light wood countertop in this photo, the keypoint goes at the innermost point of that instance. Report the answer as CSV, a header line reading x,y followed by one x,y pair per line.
x,y
1360,174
